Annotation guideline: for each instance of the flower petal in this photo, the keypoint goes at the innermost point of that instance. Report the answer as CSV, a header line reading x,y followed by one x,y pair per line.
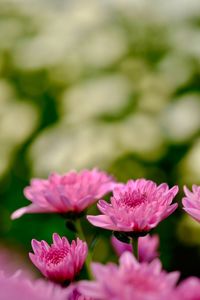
x,y
32,208
102,221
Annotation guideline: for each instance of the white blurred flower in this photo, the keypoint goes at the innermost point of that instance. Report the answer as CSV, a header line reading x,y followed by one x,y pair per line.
x,y
154,92
181,118
180,37
141,134
63,147
38,52
94,97
18,120
63,31
176,69
176,10
103,48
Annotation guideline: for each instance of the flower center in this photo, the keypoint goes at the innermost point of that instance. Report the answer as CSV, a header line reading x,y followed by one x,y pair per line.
x,y
133,199
55,256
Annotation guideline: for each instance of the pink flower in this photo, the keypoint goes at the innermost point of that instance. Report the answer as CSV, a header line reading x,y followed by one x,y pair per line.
x,y
191,202
189,289
60,261
147,246
72,192
131,280
21,287
136,206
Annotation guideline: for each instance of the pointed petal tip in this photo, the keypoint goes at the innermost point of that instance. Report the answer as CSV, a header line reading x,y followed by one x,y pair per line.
x,y
57,240
128,259
176,189
18,213
13,216
35,245
185,189
33,258
31,255
55,235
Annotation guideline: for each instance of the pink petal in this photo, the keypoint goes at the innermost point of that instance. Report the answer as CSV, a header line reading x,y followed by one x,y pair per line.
x,y
102,221
33,258
128,260
190,203
195,213
187,192
57,240
36,246
32,208
174,190
173,277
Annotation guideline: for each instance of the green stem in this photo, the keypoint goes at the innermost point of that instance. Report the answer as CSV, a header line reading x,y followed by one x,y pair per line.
x,y
81,235
135,247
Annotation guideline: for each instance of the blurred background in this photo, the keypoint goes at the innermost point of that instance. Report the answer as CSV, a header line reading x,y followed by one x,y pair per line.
x,y
111,84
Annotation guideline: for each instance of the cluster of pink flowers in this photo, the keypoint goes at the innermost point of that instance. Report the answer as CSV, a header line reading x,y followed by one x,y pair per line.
x,y
134,209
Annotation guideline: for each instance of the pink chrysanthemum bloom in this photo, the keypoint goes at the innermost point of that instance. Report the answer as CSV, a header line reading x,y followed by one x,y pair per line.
x,y
71,192
131,280
61,261
191,203
189,289
21,287
136,206
147,247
